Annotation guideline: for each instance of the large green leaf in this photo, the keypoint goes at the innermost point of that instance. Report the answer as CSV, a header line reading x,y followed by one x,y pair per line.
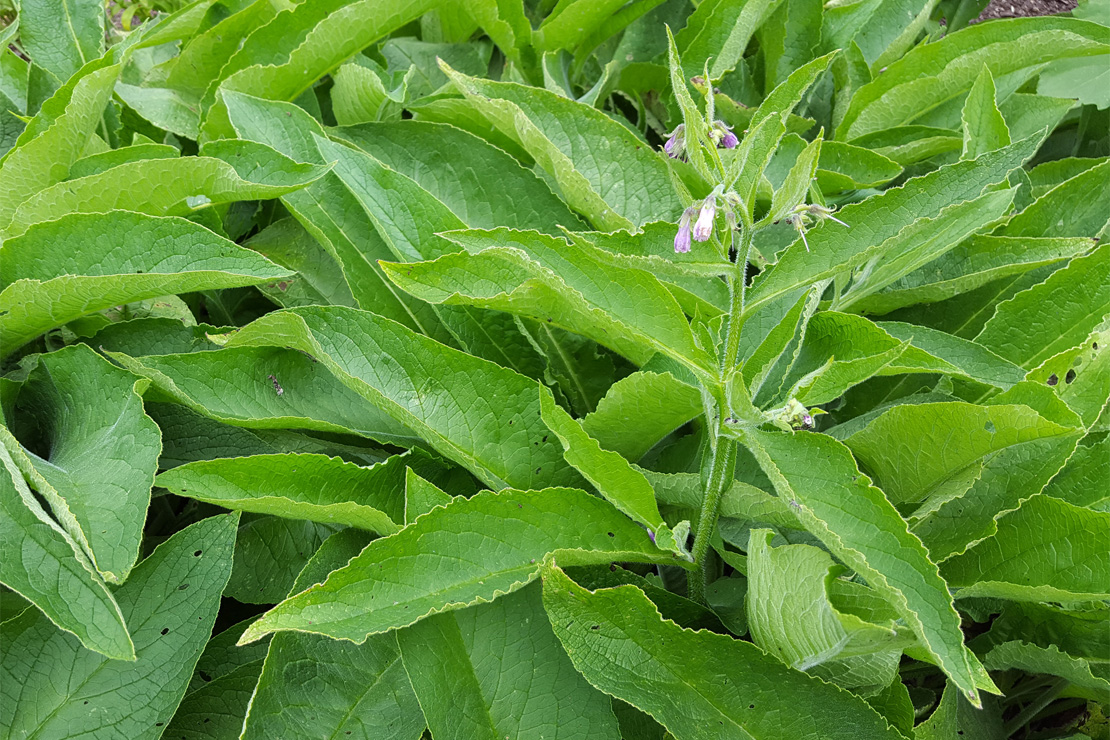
x,y
81,263
613,476
496,433
1054,315
984,127
497,670
641,409
481,184
718,32
356,691
902,94
699,685
1080,482
61,35
298,486
103,450
1048,550
300,45
228,171
53,687
269,553
818,475
46,566
329,210
266,388
937,440
604,171
56,137
1080,195
546,279
215,711
874,221
792,618
969,265
505,537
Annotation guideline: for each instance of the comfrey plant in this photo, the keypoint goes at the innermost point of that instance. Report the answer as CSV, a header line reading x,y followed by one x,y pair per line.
x,y
385,369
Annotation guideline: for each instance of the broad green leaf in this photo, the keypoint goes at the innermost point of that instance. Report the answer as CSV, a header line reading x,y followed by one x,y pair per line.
x,y
328,209
841,350
1048,550
1048,175
718,32
506,536
409,219
1007,477
215,711
846,167
1048,660
1080,196
356,689
481,184
1054,315
227,171
872,222
790,37
497,670
653,247
909,144
103,450
699,685
61,36
546,279
924,241
55,138
240,386
902,94
1027,114
361,95
269,553
641,409
319,279
956,717
970,265
299,46
972,359
164,108
47,567
604,171
747,162
936,440
95,164
818,475
205,53
221,656
81,263
613,476
570,23
53,687
770,332
1034,632
796,185
296,486
983,125
428,388
741,501
1080,482
791,617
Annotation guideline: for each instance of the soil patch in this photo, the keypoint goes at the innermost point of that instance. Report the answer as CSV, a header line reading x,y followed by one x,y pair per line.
x,y
1024,8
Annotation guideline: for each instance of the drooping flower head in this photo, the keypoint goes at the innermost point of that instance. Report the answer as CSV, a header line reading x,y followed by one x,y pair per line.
x,y
682,238
703,227
722,134
821,213
675,146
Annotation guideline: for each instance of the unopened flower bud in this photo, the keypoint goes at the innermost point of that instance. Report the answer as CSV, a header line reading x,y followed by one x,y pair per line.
x,y
722,134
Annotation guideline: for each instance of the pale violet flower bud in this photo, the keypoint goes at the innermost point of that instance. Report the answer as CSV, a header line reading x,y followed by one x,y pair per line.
x,y
676,144
682,238
703,227
722,134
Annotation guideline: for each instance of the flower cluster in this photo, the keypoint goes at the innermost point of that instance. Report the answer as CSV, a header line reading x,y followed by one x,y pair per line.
x,y
701,228
720,133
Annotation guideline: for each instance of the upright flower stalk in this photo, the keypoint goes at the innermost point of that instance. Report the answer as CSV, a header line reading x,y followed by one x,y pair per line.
x,y
701,140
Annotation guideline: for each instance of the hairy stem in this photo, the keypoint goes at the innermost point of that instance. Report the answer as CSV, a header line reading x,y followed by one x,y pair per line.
x,y
721,470
738,286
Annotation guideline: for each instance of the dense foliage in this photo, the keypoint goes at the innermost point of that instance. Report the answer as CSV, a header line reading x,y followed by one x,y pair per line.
x,y
563,377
